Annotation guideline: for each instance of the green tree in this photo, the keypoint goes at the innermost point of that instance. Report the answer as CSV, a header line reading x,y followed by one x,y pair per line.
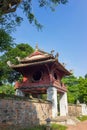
x,y
20,50
9,16
82,90
73,90
7,89
77,88
7,74
6,41
85,76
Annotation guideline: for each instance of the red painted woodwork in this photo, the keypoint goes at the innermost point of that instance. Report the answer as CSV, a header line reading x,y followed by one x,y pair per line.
x,y
40,70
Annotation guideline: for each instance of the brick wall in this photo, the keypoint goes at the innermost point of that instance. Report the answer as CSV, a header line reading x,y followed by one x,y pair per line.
x,y
24,113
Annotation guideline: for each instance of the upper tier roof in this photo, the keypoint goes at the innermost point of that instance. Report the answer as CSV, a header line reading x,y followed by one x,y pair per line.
x,y
39,57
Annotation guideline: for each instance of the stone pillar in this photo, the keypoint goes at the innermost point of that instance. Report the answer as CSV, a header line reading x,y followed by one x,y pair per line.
x,y
84,109
18,92
63,104
52,96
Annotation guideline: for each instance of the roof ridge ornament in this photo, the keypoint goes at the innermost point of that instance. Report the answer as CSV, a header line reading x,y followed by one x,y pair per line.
x,y
18,58
71,71
64,64
9,63
52,51
56,56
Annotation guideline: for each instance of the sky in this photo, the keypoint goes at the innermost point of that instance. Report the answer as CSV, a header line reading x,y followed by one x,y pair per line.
x,y
64,30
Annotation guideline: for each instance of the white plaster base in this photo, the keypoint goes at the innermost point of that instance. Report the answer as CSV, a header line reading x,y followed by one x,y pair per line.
x,y
18,92
52,96
63,104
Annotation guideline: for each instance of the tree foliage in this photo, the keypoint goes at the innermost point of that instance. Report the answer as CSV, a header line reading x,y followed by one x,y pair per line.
x,y
77,89
6,41
82,89
7,89
20,50
72,86
7,74
85,76
9,17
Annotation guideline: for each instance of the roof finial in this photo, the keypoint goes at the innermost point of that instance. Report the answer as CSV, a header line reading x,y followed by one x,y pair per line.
x,y
36,47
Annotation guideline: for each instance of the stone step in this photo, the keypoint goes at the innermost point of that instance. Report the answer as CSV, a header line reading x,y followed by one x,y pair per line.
x,y
60,118
66,120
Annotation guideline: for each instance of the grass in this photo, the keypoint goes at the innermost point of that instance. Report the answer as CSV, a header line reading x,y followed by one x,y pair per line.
x,y
43,127
58,127
82,118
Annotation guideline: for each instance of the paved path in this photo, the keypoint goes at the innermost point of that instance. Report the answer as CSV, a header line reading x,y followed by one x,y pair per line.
x,y
79,126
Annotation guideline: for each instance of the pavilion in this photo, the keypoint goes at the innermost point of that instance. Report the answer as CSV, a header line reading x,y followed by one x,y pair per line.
x,y
42,74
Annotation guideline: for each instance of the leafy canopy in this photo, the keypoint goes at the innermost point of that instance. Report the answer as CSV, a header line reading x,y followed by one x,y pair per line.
x,y
7,89
82,90
9,17
7,74
77,89
6,41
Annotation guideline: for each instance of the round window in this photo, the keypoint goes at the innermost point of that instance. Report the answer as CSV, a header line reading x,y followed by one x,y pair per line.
x,y
37,75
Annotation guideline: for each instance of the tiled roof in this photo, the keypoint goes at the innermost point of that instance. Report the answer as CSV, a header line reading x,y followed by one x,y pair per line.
x,y
39,57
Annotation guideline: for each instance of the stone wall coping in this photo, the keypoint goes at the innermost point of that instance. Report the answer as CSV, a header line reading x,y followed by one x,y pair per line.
x,y
79,105
29,100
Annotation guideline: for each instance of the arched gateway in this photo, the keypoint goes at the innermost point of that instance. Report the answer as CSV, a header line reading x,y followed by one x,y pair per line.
x,y
42,73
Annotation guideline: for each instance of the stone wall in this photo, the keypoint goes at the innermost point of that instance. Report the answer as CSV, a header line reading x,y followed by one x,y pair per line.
x,y
74,110
24,112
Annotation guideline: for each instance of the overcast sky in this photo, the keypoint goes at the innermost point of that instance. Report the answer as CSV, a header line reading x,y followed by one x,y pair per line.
x,y
64,30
